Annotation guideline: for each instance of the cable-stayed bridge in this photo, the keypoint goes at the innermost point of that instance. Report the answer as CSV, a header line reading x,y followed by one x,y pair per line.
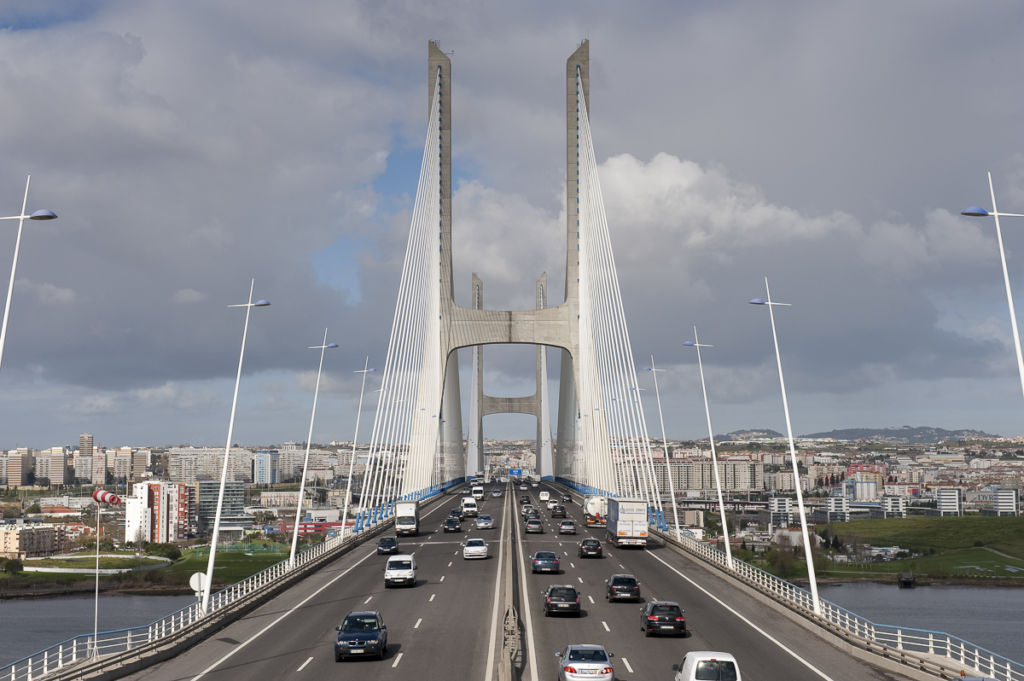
x,y
417,446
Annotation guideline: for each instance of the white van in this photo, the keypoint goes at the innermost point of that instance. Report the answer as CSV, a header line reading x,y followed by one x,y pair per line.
x,y
400,569
469,507
707,664
544,496
478,492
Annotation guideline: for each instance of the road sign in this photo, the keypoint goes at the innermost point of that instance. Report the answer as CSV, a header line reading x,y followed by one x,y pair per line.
x,y
516,471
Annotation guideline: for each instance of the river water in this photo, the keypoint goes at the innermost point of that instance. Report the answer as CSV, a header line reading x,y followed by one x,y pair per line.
x,y
990,617
27,625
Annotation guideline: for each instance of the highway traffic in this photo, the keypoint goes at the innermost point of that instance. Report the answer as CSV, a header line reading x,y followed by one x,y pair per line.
x,y
450,624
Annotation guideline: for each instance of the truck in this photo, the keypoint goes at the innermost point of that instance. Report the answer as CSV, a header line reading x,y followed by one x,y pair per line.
x,y
627,522
469,507
595,510
407,518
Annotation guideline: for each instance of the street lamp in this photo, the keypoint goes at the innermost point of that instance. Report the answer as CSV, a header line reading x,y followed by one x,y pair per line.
x,y
355,439
664,446
711,438
309,439
208,585
808,554
38,215
976,211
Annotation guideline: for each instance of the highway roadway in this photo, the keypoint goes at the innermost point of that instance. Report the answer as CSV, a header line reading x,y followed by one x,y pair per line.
x,y
449,626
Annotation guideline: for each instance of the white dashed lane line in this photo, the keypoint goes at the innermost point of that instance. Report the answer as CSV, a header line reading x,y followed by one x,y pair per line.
x,y
431,598
591,599
449,563
304,664
626,662
442,578
398,659
572,565
417,625
581,579
605,625
368,600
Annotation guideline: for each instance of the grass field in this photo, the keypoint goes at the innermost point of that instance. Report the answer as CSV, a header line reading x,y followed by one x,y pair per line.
x,y
89,562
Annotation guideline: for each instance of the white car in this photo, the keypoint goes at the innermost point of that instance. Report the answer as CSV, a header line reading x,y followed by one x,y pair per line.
x,y
707,664
552,503
474,548
484,522
585,662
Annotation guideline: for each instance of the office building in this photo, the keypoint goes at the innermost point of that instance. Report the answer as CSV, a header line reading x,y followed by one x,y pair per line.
x,y
949,501
894,506
1007,502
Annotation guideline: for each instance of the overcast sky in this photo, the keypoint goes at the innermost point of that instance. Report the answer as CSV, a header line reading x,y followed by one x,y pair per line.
x,y
190,146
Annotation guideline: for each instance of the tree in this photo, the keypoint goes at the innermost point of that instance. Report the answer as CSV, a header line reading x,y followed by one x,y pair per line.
x,y
12,566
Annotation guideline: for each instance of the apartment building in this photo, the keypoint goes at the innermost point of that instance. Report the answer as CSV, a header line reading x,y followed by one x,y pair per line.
x,y
32,540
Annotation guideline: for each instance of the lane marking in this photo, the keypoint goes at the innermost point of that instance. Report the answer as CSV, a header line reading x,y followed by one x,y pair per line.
x,y
398,659
304,664
431,598
442,578
283,615
492,646
626,662
591,599
530,646
605,625
417,625
581,579
572,565
368,600
745,620
449,563
622,566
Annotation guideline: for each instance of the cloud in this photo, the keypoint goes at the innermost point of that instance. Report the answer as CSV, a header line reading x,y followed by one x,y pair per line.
x,y
47,294
188,296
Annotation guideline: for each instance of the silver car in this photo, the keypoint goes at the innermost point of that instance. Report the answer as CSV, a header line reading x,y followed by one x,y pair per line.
x,y
484,522
585,662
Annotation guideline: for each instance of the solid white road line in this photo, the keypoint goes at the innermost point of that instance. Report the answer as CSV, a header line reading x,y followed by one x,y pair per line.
x,y
626,662
745,620
492,645
605,625
283,615
304,664
417,625
398,658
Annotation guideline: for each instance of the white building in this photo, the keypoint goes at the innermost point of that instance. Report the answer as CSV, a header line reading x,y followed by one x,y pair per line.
x,y
1007,502
894,506
949,501
838,509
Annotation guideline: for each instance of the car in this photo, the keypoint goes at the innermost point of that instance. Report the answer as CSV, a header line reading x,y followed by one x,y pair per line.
x,y
534,526
523,487
566,499
533,514
545,561
567,527
551,503
622,587
562,599
558,511
387,545
474,548
495,492
591,548
484,522
707,664
527,507
361,634
585,662
662,617
524,498
456,513
452,525
400,569
534,485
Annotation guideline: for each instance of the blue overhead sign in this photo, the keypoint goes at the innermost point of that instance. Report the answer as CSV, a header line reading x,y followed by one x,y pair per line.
x,y
515,471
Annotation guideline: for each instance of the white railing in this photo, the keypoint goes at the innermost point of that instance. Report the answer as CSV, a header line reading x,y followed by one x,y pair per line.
x,y
921,642
82,648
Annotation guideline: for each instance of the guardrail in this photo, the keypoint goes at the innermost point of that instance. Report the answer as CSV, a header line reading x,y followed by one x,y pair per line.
x,y
83,657
886,639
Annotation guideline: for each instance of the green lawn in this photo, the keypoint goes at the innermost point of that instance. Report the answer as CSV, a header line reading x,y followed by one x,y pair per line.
x,y
230,567
89,562
922,534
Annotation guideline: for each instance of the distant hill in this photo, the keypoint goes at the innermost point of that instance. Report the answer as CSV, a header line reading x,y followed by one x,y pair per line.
x,y
918,435
902,434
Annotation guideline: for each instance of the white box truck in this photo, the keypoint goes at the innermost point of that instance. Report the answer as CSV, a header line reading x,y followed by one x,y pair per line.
x,y
627,522
407,518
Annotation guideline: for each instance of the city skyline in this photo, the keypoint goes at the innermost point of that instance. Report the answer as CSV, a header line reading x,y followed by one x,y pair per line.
x,y
733,142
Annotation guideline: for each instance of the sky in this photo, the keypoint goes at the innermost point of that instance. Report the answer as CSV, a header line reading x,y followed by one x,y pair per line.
x,y
194,146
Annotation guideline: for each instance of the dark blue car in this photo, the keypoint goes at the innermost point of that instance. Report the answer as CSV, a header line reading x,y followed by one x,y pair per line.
x,y
545,561
361,634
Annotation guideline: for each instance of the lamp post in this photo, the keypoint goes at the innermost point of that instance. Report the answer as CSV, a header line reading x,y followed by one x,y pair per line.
x,y
352,459
976,211
208,584
309,439
711,438
808,554
664,446
38,215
